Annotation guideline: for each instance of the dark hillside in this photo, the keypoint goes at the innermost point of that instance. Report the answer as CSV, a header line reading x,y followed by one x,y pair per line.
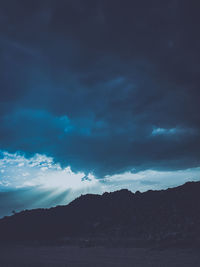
x,y
172,214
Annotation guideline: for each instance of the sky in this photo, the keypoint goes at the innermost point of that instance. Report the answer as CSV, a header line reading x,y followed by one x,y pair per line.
x,y
96,96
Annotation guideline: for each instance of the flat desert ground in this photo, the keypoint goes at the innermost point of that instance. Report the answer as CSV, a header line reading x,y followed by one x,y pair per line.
x,y
44,256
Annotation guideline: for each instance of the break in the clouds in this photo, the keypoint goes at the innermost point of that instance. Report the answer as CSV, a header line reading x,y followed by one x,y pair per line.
x,y
17,171
105,87
40,182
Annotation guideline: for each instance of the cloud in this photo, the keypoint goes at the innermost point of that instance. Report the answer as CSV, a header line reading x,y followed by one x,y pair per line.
x,y
174,131
160,131
17,171
101,89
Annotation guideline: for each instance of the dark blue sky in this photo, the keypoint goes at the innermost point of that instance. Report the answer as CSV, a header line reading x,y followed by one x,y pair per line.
x,y
105,86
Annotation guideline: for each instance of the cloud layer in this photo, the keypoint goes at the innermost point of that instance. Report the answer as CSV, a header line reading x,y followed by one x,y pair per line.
x,y
102,86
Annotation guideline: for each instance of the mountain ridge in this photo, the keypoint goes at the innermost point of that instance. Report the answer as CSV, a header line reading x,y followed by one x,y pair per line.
x,y
173,213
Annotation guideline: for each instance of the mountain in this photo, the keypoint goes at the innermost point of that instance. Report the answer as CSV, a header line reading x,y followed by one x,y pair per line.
x,y
172,214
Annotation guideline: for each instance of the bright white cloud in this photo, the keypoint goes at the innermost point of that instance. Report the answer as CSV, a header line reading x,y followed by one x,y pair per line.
x,y
172,131
17,171
163,131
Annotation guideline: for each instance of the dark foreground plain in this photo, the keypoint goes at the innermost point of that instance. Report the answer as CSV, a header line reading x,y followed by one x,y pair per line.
x,y
58,256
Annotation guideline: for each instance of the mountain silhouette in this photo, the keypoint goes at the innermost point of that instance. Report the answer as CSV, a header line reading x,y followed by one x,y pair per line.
x,y
172,214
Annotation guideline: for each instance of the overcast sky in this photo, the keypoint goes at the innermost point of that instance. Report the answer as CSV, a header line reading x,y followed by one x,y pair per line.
x,y
97,95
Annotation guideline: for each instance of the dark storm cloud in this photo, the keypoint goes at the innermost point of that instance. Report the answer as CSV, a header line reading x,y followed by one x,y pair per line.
x,y
104,86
